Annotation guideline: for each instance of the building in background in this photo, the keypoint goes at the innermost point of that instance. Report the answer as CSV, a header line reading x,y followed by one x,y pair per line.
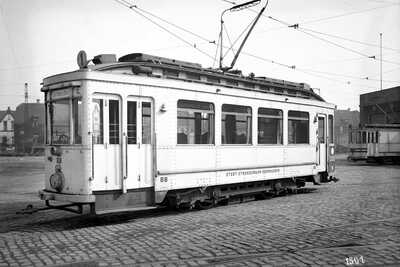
x,y
380,107
344,121
29,134
7,118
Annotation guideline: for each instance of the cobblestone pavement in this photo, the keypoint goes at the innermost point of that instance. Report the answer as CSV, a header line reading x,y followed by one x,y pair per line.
x,y
357,219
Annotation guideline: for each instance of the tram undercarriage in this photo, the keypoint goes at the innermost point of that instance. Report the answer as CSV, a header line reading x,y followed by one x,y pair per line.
x,y
207,197
190,198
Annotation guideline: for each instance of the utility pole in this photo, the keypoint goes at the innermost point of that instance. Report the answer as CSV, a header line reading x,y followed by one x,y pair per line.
x,y
380,35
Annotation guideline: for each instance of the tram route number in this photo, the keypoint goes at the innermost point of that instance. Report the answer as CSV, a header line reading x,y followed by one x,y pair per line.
x,y
358,260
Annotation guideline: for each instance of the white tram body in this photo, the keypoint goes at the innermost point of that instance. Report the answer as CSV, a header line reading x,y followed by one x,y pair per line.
x,y
146,131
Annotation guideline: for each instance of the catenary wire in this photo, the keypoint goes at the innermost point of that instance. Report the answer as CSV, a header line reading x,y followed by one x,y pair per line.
x,y
134,9
349,40
296,27
307,71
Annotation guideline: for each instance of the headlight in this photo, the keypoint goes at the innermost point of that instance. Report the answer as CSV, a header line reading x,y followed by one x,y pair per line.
x,y
57,181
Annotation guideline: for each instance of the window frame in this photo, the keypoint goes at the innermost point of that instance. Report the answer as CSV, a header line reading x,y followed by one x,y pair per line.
x,y
250,135
281,117
131,140
118,117
96,138
331,129
321,117
210,121
298,119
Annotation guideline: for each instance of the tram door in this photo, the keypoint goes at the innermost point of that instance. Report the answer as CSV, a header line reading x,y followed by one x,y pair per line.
x,y
321,143
139,158
107,145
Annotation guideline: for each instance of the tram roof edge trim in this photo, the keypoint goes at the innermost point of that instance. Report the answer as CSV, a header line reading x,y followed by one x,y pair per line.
x,y
150,61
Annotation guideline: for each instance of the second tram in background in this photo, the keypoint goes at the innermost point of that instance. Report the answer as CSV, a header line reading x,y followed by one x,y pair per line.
x,y
146,131
375,143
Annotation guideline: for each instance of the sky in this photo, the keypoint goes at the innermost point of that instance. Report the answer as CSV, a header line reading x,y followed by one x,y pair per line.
x,y
330,50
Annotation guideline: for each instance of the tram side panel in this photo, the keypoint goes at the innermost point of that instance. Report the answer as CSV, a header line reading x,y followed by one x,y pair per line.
x,y
190,166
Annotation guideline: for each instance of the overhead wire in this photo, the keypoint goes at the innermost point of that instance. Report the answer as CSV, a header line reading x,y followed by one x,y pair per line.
x,y
347,14
176,26
349,40
303,70
298,28
127,4
348,76
134,9
334,16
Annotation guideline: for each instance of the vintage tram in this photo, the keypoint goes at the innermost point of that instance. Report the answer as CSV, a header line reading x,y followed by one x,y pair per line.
x,y
375,143
144,131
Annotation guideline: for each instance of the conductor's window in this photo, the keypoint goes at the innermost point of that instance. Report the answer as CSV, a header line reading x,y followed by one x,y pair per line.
x,y
97,119
146,123
298,127
195,122
131,123
236,124
270,126
113,121
330,129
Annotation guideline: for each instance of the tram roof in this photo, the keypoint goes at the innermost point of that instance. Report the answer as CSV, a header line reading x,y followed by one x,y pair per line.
x,y
160,67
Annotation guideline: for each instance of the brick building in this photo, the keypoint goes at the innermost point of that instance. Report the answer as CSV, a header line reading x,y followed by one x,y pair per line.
x,y
7,118
29,127
380,107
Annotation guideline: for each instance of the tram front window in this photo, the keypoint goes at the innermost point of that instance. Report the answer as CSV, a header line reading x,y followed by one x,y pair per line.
x,y
64,121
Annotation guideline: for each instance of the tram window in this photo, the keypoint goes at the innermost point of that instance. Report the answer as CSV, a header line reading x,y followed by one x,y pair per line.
x,y
195,122
146,123
330,129
368,137
170,73
236,124
377,137
97,118
76,117
60,121
321,130
113,121
364,137
278,90
131,122
270,126
298,127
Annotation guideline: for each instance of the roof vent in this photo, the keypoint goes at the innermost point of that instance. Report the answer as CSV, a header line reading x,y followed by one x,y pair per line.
x,y
104,58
